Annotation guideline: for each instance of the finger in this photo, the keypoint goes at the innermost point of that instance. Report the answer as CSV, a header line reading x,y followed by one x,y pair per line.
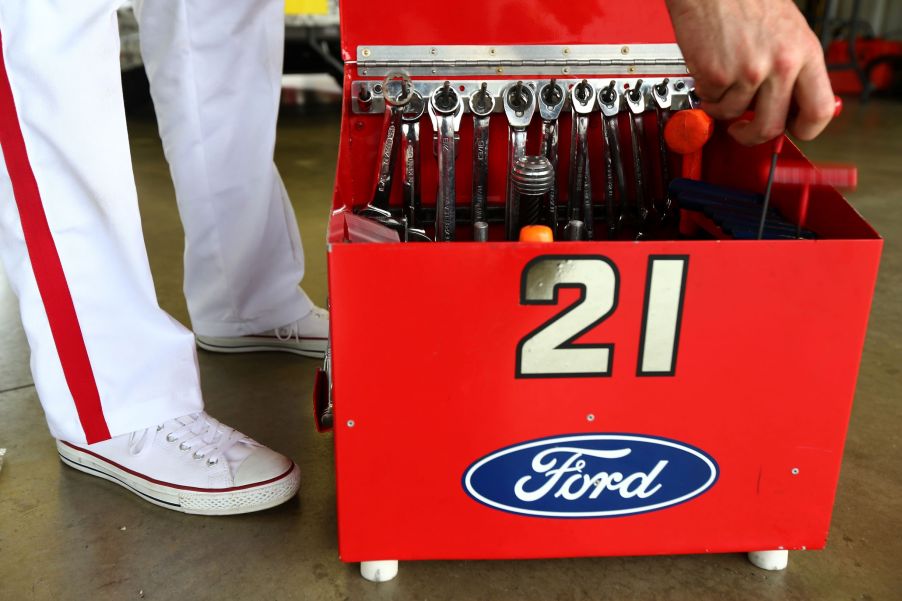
x,y
771,109
734,102
710,89
815,99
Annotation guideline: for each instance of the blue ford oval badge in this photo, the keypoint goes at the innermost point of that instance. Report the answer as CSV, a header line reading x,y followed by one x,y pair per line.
x,y
591,476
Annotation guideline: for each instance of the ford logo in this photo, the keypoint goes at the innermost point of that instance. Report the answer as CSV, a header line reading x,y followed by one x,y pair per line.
x,y
591,476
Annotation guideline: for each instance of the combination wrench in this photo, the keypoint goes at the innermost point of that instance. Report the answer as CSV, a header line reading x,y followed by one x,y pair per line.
x,y
391,127
551,102
663,102
410,155
446,111
481,105
582,103
519,106
609,101
378,207
635,101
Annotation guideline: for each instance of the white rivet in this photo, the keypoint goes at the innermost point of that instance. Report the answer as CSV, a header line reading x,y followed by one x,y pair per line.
x,y
351,423
795,471
590,417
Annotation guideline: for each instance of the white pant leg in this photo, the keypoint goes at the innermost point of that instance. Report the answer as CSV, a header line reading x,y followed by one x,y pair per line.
x,y
215,76
106,359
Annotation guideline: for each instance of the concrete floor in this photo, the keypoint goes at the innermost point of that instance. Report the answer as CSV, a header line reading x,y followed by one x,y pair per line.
x,y
64,535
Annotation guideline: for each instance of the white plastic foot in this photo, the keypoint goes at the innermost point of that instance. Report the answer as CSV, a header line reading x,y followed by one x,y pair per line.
x,y
379,571
770,560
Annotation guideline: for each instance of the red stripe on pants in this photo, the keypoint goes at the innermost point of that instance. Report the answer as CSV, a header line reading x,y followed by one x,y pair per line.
x,y
48,270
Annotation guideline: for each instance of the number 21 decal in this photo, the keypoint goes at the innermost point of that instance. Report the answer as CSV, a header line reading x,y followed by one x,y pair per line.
x,y
550,350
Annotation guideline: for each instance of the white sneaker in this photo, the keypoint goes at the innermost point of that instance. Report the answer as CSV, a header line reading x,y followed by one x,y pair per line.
x,y
192,464
307,336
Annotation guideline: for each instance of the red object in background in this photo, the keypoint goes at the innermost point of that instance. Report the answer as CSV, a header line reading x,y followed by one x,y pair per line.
x,y
769,340
846,81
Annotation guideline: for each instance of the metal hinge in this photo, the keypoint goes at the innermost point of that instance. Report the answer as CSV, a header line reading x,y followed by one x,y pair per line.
x,y
498,60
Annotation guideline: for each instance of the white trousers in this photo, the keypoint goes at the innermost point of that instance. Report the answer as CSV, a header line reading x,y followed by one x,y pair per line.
x,y
106,359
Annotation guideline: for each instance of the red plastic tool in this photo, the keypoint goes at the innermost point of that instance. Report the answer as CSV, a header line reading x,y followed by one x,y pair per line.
x,y
686,133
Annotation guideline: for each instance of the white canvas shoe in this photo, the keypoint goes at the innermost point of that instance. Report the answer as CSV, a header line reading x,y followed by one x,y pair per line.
x,y
307,336
192,464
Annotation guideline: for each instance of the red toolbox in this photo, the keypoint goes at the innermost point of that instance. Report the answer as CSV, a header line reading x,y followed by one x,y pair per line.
x,y
611,396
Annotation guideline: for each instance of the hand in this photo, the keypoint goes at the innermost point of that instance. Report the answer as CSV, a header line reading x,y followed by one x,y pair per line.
x,y
761,52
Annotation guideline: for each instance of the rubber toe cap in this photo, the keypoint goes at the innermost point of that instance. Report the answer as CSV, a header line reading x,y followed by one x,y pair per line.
x,y
261,465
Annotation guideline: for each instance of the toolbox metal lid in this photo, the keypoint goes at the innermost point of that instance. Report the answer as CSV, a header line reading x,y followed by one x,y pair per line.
x,y
502,23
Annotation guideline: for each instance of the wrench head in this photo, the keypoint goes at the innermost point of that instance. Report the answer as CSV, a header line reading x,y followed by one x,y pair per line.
x,y
414,109
385,218
635,98
397,88
609,100
482,103
662,95
445,102
519,104
551,100
583,98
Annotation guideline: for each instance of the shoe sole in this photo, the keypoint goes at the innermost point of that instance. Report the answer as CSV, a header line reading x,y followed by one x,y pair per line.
x,y
315,349
231,501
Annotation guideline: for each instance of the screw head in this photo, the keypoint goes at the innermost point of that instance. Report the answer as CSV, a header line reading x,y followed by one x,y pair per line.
x,y
366,52
625,50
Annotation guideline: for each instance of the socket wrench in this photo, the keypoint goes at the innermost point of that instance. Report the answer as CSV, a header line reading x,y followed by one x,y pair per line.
x,y
446,111
551,102
532,179
519,106
481,105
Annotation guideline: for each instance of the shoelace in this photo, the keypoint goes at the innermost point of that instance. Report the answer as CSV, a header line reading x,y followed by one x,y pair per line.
x,y
290,332
293,330
211,438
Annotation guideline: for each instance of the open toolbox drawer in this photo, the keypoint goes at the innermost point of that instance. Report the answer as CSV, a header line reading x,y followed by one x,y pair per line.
x,y
587,398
